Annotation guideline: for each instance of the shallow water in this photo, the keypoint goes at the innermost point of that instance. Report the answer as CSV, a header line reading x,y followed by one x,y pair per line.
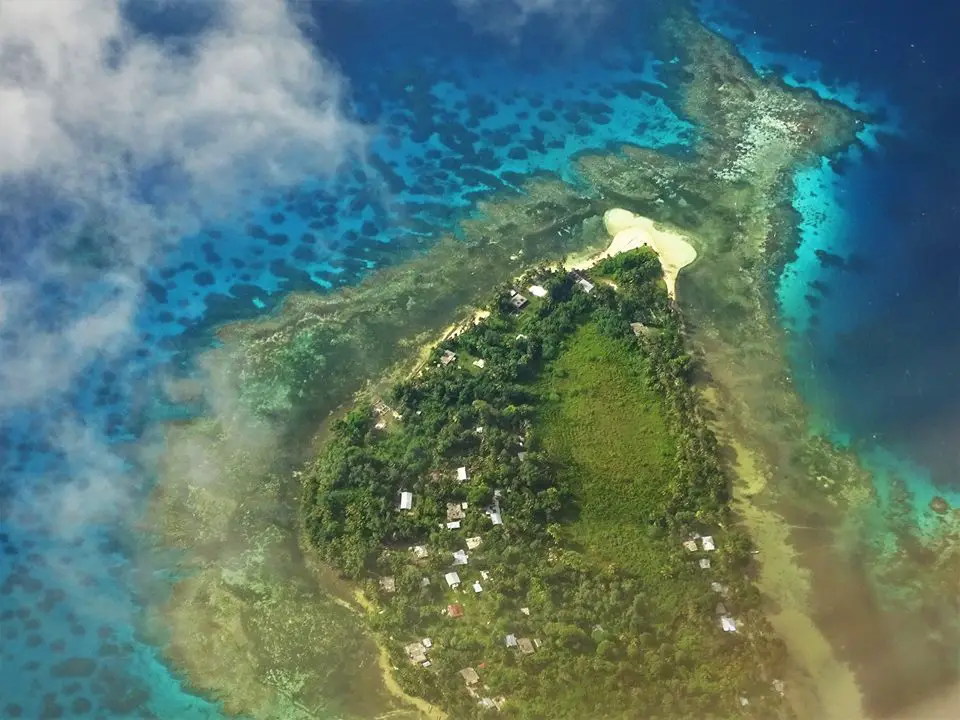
x,y
459,115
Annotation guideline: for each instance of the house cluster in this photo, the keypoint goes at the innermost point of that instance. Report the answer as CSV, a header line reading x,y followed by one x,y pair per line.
x,y
417,652
384,411
696,543
472,680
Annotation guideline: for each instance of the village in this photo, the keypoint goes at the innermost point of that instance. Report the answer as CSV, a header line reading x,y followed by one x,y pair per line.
x,y
477,582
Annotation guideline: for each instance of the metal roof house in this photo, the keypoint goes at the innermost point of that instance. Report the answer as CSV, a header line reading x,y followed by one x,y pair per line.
x,y
406,500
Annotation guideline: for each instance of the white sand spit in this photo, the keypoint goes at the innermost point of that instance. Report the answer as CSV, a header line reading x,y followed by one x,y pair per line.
x,y
630,232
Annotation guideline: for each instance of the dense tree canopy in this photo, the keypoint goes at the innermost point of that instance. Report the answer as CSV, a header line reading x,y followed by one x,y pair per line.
x,y
625,620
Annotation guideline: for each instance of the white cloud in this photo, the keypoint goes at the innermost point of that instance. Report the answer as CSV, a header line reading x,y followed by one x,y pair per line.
x,y
89,106
507,17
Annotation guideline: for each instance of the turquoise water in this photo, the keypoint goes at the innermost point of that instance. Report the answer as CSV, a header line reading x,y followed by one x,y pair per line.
x,y
455,116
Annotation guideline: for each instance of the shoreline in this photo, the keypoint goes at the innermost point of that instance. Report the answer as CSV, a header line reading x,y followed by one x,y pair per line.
x,y
822,687
426,709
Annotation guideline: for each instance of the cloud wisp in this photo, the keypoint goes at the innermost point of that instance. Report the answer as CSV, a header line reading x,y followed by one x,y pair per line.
x,y
117,141
123,135
506,18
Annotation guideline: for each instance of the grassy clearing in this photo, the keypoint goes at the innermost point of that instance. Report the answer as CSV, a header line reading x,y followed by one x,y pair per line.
x,y
606,424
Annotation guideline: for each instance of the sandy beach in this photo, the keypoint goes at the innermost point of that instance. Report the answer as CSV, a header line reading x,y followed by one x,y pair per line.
x,y
629,232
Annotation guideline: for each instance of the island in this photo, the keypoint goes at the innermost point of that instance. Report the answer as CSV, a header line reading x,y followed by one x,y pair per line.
x,y
540,517
669,515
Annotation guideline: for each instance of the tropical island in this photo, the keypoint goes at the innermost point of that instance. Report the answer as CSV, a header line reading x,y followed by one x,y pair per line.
x,y
541,516
287,474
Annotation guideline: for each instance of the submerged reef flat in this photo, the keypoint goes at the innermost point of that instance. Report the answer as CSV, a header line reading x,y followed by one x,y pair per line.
x,y
864,603
249,622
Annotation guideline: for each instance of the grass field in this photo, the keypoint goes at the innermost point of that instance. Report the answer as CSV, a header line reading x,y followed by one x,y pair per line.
x,y
606,425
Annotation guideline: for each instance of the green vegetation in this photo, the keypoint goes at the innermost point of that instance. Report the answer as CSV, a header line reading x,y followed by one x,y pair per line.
x,y
581,434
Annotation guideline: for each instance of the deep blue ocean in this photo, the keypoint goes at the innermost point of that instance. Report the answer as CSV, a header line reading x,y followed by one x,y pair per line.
x,y
459,112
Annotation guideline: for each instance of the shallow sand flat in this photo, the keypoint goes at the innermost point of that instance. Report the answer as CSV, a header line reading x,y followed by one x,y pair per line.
x,y
825,688
630,232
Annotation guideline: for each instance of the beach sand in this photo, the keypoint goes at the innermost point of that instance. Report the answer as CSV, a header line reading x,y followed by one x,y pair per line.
x,y
630,232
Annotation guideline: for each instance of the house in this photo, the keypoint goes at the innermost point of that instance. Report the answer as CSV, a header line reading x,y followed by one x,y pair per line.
x,y
447,357
380,425
538,291
727,623
585,284
721,609
460,557
470,676
406,500
388,584
495,517
455,525
518,301
455,610
705,563
424,582
420,552
477,587
717,587
511,641
416,653
525,611
526,646
454,511
427,643
453,580
690,545
707,541
474,542
462,474
480,363
484,575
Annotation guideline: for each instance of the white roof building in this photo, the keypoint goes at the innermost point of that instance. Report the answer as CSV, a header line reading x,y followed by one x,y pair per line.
x,y
474,542
462,474
427,643
453,525
690,545
727,623
420,552
453,579
538,291
460,557
477,587
480,363
705,563
511,641
406,500
708,543
585,284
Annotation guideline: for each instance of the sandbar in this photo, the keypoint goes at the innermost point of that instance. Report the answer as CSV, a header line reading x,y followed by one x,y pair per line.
x,y
629,232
